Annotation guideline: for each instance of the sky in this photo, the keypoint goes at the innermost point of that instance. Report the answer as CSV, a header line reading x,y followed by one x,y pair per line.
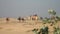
x,y
23,8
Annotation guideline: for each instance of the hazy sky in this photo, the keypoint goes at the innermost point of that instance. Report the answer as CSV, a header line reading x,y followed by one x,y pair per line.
x,y
16,8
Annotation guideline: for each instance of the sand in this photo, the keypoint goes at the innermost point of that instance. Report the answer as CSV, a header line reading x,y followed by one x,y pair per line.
x,y
16,27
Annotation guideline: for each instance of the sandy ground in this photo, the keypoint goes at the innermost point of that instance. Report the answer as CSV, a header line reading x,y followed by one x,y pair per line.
x,y
16,27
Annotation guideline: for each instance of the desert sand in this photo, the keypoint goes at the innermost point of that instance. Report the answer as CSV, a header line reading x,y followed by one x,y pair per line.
x,y
26,27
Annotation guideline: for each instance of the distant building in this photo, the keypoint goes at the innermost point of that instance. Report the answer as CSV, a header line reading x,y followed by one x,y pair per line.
x,y
33,17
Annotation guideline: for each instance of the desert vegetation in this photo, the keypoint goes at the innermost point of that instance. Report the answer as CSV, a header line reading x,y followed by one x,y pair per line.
x,y
53,20
32,25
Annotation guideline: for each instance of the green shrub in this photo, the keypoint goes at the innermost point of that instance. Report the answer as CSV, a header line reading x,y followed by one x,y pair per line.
x,y
57,30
